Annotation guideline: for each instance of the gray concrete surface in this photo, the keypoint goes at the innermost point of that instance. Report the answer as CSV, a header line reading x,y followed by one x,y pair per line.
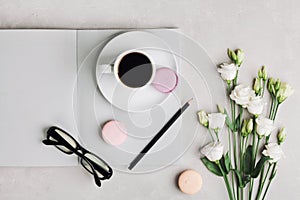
x,y
269,33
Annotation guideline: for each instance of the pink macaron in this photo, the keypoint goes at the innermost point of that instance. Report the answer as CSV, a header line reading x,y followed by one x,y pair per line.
x,y
114,133
165,80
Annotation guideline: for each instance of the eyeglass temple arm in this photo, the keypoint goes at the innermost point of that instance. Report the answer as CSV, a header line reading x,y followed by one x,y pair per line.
x,y
96,178
50,142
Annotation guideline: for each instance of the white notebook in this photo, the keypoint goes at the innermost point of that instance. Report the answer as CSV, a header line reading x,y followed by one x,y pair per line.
x,y
38,79
38,72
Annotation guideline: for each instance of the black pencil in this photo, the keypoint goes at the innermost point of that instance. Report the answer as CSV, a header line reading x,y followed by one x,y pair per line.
x,y
158,135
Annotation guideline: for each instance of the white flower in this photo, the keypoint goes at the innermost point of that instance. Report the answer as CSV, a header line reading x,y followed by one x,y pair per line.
x,y
264,126
274,151
227,71
256,105
242,95
284,92
203,118
216,120
213,151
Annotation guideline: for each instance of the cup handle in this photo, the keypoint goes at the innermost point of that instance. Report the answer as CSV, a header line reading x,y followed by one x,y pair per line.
x,y
106,68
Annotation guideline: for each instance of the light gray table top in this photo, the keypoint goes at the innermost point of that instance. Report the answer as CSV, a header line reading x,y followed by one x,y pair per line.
x,y
268,31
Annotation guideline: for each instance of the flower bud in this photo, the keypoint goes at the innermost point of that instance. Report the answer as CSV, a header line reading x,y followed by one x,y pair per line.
x,y
271,86
239,56
281,135
257,85
260,75
221,109
249,127
284,92
264,73
277,84
270,83
203,118
244,129
232,55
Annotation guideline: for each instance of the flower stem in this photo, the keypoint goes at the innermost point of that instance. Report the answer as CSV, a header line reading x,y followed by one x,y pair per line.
x,y
242,162
263,89
253,158
235,79
242,142
232,174
232,184
230,145
234,141
211,135
237,128
232,107
256,148
270,180
275,109
268,170
271,109
272,116
216,133
242,193
226,182
240,116
265,193
255,155
250,189
261,186
236,162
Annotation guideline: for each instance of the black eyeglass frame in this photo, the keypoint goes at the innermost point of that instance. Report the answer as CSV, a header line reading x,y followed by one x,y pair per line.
x,y
80,152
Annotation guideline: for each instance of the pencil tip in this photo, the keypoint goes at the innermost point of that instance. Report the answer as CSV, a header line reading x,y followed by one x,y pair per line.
x,y
189,101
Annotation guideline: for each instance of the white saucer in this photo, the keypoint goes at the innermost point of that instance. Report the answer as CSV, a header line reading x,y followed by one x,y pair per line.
x,y
124,98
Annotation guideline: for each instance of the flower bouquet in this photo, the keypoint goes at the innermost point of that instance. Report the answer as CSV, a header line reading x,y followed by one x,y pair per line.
x,y
250,156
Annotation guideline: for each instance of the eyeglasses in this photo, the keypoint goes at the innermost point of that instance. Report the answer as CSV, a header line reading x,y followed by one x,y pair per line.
x,y
91,162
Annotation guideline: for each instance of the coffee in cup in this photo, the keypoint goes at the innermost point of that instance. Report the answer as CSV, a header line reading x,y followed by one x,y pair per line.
x,y
133,68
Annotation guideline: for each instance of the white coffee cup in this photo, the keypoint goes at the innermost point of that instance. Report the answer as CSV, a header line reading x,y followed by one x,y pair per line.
x,y
140,66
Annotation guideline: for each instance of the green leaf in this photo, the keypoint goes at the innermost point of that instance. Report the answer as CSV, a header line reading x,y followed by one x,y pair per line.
x,y
246,180
225,163
237,122
242,180
259,166
248,161
273,175
211,166
239,177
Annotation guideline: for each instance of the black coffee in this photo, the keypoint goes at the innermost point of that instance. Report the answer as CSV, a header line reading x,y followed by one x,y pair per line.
x,y
135,70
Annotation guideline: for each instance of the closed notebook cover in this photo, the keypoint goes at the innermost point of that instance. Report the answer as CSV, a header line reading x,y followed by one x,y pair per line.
x,y
37,79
